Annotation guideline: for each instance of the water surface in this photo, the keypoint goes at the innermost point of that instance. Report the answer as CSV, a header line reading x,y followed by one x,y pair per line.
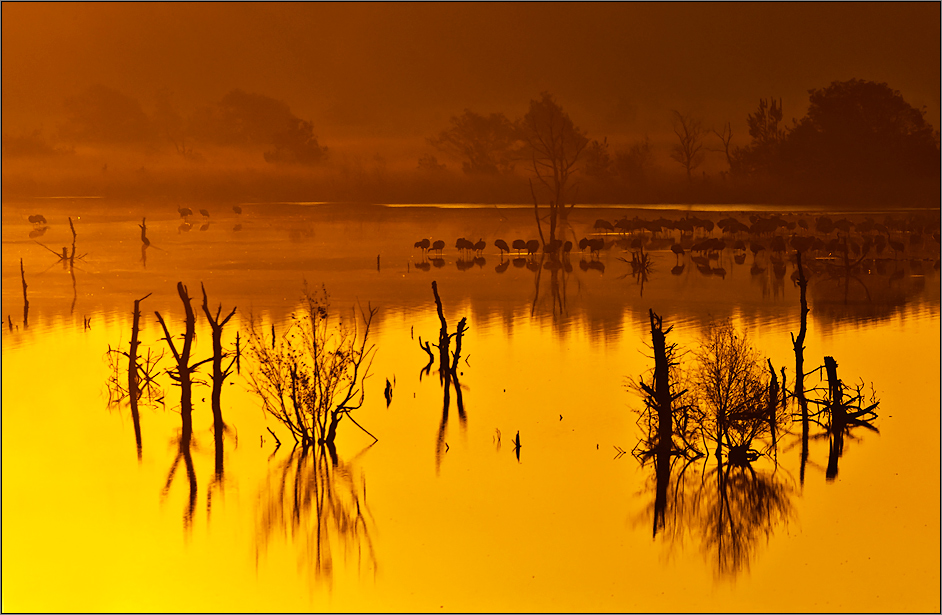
x,y
420,521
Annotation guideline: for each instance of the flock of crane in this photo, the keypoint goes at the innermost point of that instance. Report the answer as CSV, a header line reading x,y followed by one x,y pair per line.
x,y
860,239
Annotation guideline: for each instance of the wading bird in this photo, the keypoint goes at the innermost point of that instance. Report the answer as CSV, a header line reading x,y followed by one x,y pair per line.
x,y
501,245
424,244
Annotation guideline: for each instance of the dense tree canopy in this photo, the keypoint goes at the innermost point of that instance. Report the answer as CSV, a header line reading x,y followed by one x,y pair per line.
x,y
485,144
100,114
854,130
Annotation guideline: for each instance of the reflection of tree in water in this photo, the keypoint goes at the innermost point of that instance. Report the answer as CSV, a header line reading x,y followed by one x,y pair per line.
x,y
319,505
728,399
732,508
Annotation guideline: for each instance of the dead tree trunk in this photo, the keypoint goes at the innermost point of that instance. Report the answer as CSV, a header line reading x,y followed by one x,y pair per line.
x,y
838,416
773,405
799,346
443,340
182,357
25,299
662,390
219,374
133,379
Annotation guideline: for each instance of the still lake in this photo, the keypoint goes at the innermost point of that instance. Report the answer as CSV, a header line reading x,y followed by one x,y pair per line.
x,y
463,521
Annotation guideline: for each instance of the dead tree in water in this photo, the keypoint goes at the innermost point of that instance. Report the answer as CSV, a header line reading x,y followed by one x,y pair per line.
x,y
133,377
799,346
448,369
183,372
844,414
25,299
219,374
663,418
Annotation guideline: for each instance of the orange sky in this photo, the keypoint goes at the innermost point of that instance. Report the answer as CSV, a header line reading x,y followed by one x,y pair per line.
x,y
397,72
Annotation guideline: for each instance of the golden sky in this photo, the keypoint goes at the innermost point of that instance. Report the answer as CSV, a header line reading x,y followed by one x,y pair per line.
x,y
399,71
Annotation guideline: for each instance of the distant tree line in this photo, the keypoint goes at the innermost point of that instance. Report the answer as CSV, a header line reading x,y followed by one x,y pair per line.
x,y
103,116
854,131
858,140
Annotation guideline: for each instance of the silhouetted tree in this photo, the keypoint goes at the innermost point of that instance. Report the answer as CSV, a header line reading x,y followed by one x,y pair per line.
x,y
428,162
598,162
861,129
484,144
248,119
761,155
689,151
725,135
296,144
100,114
633,164
554,145
30,144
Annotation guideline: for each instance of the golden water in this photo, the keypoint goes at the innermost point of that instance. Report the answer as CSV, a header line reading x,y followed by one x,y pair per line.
x,y
406,524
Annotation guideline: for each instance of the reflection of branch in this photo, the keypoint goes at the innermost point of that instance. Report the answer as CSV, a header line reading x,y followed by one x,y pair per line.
x,y
322,506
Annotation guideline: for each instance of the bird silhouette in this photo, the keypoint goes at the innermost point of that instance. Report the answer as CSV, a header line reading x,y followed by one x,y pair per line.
x,y
185,212
532,246
438,246
567,247
479,246
519,244
424,244
553,246
501,245
678,251
388,393
237,209
204,213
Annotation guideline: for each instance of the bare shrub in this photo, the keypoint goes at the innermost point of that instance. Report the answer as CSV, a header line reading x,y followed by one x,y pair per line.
x,y
312,377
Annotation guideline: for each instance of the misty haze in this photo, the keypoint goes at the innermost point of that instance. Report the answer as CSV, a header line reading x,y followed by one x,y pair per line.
x,y
471,307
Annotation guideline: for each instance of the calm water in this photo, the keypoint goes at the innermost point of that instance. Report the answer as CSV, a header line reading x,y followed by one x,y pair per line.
x,y
415,523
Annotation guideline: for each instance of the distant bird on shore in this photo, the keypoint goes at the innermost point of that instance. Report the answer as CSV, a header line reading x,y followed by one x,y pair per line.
x,y
479,246
438,246
519,244
678,250
237,209
532,246
204,213
501,245
185,212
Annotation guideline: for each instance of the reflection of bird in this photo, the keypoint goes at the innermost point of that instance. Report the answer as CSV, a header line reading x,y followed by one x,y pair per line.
x,y
756,248
502,267
896,245
237,209
501,245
